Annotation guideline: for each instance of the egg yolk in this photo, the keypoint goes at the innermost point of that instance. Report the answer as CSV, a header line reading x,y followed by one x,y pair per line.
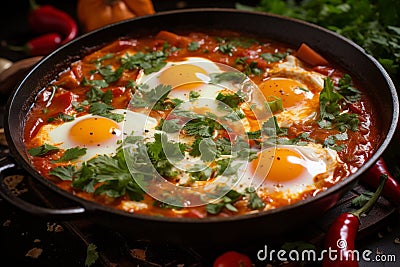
x,y
287,165
181,74
94,131
290,91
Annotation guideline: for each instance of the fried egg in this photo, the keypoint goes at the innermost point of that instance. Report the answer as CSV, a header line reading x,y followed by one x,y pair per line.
x,y
191,70
293,169
297,88
99,135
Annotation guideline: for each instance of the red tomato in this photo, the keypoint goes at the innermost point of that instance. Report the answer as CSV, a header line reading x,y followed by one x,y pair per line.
x,y
60,103
233,259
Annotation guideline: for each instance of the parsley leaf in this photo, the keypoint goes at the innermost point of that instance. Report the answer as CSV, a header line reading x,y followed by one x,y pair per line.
x,y
330,110
255,202
149,62
275,57
226,202
91,255
72,154
156,98
193,46
232,100
65,173
193,95
42,150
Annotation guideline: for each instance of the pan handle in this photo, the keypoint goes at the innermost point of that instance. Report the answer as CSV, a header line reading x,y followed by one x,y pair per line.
x,y
7,163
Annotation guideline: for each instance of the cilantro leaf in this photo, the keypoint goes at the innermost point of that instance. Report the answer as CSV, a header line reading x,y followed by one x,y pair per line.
x,y
274,57
232,100
42,150
255,202
91,255
149,62
193,46
72,154
65,173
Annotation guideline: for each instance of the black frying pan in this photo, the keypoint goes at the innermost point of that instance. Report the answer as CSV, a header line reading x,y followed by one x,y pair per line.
x,y
266,224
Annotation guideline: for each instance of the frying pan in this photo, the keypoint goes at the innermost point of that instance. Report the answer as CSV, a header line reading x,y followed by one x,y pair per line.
x,y
271,223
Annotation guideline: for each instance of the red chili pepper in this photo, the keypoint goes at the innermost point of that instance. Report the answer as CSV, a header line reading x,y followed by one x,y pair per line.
x,y
40,46
340,238
46,18
232,259
392,187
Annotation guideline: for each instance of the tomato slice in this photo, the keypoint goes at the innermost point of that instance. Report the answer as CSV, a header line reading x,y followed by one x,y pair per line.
x,y
233,259
60,103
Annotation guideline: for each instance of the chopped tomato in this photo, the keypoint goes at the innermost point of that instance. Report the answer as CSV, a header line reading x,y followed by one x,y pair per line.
x,y
309,55
60,103
233,259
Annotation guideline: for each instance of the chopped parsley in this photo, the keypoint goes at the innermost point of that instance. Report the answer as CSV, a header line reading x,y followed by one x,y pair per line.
x,y
193,95
149,62
42,150
193,46
226,202
249,68
72,154
331,115
232,100
274,57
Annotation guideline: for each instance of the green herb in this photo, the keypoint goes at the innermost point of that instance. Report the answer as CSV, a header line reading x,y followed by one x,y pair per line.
x,y
42,150
156,98
149,62
330,110
275,57
202,175
231,100
94,83
65,173
72,154
254,135
193,46
347,90
193,96
161,151
226,48
80,107
226,202
91,255
250,68
105,57
275,104
109,74
65,117
255,202
377,30
271,128
169,126
113,175
203,127
229,76
103,109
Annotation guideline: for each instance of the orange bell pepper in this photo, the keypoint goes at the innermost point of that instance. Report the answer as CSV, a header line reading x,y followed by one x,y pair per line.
x,y
93,14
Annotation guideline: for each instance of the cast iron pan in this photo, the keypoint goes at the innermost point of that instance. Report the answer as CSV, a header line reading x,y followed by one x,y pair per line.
x,y
211,230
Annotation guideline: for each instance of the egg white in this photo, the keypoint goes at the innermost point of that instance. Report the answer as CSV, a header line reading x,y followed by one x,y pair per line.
x,y
313,82
318,163
133,123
